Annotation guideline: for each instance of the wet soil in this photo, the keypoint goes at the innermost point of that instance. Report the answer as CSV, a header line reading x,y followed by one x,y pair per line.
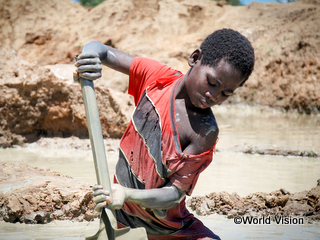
x,y
38,195
272,150
282,203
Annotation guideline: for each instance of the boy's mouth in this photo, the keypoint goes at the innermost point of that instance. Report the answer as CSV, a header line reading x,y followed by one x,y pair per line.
x,y
203,104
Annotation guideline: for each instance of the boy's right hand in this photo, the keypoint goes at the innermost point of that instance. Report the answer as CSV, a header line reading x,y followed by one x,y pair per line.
x,y
88,66
102,198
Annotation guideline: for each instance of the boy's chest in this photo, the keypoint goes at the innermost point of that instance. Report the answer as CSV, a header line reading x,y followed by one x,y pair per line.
x,y
186,123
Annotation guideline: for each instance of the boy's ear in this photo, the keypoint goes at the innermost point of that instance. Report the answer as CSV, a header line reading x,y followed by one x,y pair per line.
x,y
195,57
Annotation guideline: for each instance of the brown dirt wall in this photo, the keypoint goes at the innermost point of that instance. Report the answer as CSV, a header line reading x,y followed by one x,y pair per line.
x,y
35,103
285,38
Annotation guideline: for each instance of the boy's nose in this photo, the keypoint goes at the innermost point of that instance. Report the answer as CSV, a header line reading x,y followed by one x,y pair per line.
x,y
212,97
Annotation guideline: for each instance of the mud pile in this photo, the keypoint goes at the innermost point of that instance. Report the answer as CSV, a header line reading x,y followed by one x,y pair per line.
x,y
35,103
272,150
35,195
285,37
278,203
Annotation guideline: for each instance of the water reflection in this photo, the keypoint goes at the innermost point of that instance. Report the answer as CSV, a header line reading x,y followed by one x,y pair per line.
x,y
243,124
245,174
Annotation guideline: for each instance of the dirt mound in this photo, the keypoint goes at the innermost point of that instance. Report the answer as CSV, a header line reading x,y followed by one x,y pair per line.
x,y
35,195
278,203
287,45
41,30
285,37
36,103
272,150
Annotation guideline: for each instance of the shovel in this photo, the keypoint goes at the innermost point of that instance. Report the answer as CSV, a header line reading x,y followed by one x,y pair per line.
x,y
108,223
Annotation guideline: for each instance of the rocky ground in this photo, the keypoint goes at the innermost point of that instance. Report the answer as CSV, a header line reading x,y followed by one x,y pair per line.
x,y
304,204
36,195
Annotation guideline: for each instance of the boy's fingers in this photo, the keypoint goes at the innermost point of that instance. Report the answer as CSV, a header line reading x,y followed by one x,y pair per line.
x,y
90,76
100,198
97,186
90,68
88,61
100,206
100,192
87,55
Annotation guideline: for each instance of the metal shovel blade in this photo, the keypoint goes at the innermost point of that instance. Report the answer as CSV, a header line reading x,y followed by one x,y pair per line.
x,y
108,224
119,234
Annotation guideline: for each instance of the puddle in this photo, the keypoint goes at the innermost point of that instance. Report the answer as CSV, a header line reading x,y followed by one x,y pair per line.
x,y
248,125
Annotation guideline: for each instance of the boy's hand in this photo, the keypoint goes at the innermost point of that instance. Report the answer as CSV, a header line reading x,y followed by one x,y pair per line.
x,y
102,197
89,67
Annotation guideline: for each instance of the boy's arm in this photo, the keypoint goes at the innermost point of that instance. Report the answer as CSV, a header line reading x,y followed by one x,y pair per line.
x,y
94,54
157,199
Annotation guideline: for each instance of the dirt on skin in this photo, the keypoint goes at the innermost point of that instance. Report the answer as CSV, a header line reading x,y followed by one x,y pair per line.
x,y
37,195
304,204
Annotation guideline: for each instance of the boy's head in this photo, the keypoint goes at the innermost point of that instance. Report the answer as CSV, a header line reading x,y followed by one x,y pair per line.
x,y
231,46
223,63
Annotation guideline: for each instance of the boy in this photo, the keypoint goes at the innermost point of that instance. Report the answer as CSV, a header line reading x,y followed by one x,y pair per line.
x,y
171,137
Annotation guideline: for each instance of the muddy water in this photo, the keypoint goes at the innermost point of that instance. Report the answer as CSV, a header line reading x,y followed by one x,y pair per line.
x,y
229,171
249,125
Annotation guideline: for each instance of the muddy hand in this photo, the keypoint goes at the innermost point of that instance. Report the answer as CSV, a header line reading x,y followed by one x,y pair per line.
x,y
88,66
102,197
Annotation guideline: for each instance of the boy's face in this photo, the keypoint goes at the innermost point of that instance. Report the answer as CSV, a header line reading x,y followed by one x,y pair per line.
x,y
208,86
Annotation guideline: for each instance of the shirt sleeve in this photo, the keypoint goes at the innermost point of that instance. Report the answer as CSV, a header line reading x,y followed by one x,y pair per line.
x,y
143,72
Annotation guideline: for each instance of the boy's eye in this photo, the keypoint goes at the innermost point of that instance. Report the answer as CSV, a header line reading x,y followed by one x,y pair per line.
x,y
210,83
227,94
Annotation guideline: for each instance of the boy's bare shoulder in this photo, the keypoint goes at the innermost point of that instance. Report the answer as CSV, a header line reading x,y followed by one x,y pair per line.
x,y
207,129
200,132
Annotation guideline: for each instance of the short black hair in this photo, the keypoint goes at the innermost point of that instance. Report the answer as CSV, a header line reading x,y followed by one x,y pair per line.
x,y
231,46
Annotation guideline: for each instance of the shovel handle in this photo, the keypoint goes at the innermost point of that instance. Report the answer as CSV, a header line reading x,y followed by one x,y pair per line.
x,y
95,134
98,151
